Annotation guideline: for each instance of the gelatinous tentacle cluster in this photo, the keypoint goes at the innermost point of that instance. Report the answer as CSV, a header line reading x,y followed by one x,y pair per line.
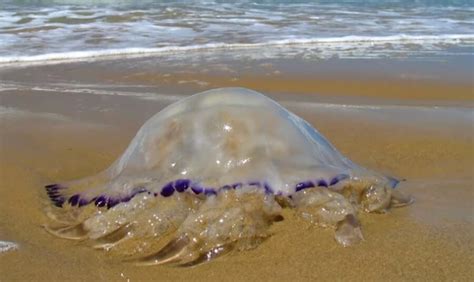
x,y
187,224
180,228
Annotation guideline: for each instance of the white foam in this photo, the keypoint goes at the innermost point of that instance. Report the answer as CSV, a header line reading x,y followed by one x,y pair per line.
x,y
339,43
6,246
62,32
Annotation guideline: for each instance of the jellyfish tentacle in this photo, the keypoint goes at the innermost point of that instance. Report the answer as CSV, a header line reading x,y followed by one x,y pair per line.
x,y
172,251
72,232
232,219
150,228
327,208
399,199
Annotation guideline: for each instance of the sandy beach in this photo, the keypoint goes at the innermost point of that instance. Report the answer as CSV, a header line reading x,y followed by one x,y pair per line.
x,y
388,83
399,126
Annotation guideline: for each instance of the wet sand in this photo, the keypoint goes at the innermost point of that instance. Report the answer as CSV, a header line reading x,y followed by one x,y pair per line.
x,y
49,136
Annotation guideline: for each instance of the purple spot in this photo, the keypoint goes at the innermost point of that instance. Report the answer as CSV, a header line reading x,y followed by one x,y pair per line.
x,y
126,199
268,189
100,201
209,192
304,185
254,183
322,183
136,190
83,202
181,185
53,187
53,193
338,178
74,200
112,202
237,185
196,189
226,187
54,196
167,190
59,202
51,190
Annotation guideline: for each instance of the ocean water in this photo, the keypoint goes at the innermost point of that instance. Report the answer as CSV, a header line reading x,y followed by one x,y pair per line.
x,y
37,31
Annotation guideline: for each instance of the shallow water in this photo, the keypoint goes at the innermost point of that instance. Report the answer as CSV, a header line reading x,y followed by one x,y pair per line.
x,y
58,30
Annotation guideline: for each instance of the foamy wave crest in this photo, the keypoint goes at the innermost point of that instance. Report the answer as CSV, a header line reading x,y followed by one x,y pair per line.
x,y
334,44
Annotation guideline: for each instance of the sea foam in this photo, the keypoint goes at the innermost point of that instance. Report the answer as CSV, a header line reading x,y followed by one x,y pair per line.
x,y
353,44
6,246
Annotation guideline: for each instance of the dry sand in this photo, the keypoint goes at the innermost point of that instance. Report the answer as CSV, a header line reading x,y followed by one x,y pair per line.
x,y
433,239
